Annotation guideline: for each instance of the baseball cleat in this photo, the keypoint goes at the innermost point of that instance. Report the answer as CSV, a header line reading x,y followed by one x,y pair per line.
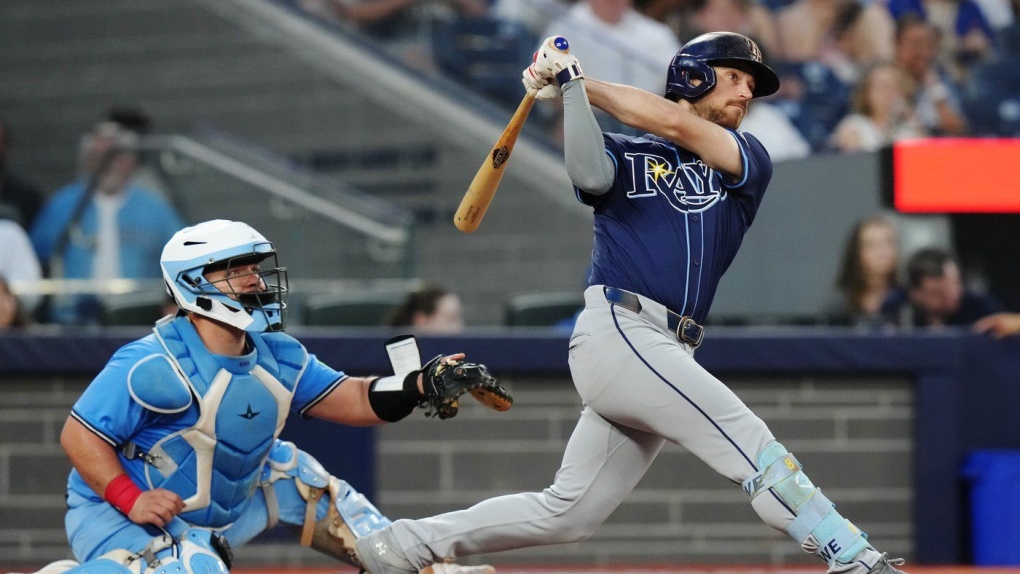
x,y
451,568
885,565
379,554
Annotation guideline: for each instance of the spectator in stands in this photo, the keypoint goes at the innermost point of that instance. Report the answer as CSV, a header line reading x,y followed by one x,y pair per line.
x,y
772,125
935,295
775,131
867,272
999,325
881,111
18,262
842,34
12,312
965,35
429,309
148,172
617,43
747,17
20,199
535,15
399,23
935,99
101,226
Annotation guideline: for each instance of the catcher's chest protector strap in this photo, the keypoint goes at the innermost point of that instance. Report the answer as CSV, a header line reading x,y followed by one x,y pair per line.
x,y
393,398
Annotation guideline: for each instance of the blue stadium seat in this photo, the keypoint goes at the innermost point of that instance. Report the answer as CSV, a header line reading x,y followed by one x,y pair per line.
x,y
991,101
542,309
486,55
825,101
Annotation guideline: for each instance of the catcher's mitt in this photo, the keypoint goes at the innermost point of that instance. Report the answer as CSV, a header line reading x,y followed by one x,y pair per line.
x,y
445,382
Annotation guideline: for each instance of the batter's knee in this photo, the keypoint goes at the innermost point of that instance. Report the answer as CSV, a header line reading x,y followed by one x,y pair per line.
x,y
570,522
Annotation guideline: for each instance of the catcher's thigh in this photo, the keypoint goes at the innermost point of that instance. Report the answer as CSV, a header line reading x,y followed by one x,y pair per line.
x,y
297,491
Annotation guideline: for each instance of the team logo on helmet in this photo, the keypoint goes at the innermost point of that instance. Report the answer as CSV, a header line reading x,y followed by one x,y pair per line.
x,y
690,188
561,44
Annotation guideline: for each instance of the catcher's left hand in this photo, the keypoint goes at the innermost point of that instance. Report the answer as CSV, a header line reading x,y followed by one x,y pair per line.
x,y
444,380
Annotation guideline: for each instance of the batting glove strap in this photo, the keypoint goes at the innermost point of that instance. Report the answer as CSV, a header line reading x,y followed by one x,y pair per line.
x,y
571,72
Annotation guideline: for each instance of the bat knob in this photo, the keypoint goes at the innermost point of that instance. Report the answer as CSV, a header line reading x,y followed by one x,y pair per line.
x,y
561,44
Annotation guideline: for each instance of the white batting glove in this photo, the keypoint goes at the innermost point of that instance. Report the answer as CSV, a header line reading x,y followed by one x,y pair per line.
x,y
537,85
553,61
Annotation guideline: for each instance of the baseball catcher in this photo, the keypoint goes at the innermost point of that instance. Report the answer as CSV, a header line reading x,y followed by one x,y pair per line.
x,y
175,445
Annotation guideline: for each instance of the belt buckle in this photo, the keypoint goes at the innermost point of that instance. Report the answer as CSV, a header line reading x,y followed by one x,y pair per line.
x,y
681,331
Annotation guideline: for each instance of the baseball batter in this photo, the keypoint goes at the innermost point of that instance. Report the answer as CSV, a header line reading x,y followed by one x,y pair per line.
x,y
670,213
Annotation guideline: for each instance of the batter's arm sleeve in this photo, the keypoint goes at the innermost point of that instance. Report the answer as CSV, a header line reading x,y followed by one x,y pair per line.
x,y
588,166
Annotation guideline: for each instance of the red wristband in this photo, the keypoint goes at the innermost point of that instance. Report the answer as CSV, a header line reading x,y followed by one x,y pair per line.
x,y
122,493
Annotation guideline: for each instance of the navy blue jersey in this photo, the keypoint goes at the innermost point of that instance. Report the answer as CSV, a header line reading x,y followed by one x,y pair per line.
x,y
670,226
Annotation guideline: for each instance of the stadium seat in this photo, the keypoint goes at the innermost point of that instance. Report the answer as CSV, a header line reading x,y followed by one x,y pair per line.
x,y
350,309
134,309
825,101
543,309
486,55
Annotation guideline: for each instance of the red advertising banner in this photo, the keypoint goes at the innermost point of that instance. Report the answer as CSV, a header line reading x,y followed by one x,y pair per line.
x,y
956,175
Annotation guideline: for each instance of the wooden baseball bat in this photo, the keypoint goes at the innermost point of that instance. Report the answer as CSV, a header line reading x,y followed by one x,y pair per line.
x,y
479,194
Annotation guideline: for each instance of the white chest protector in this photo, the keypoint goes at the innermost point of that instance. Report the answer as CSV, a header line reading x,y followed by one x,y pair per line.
x,y
238,406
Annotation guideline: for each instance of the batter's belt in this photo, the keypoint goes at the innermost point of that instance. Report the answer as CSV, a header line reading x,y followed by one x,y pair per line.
x,y
685,328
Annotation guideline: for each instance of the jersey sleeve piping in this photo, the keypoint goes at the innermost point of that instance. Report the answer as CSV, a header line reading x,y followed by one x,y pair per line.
x,y
303,412
94,430
742,146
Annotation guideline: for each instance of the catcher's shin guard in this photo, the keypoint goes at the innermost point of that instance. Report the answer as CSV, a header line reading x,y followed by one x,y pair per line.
x,y
329,528
818,528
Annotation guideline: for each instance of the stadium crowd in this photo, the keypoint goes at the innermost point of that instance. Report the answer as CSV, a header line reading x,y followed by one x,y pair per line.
x,y
856,76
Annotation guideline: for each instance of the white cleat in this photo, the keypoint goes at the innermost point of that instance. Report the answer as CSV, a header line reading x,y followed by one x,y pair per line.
x,y
885,565
451,568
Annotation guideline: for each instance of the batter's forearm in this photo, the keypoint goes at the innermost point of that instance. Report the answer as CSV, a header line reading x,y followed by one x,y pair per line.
x,y
670,120
632,106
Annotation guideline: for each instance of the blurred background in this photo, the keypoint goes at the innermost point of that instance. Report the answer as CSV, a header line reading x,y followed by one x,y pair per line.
x,y
347,131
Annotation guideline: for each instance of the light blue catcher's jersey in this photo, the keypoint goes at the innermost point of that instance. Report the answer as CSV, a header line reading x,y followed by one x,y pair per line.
x,y
196,423
670,226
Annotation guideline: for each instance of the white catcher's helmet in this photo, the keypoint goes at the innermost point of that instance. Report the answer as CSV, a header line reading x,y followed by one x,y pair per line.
x,y
190,253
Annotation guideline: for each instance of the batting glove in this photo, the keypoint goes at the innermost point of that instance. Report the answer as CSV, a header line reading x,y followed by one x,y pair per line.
x,y
554,61
537,85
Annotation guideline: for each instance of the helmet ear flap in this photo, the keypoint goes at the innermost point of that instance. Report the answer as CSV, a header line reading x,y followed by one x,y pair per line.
x,y
682,73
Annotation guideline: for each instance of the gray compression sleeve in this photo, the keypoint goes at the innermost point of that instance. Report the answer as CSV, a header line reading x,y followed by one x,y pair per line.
x,y
588,166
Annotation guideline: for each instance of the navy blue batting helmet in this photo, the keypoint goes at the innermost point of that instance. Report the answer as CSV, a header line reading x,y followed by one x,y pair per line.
x,y
696,58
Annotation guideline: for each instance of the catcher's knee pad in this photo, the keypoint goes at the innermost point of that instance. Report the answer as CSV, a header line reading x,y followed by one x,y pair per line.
x,y
817,526
335,514
197,551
